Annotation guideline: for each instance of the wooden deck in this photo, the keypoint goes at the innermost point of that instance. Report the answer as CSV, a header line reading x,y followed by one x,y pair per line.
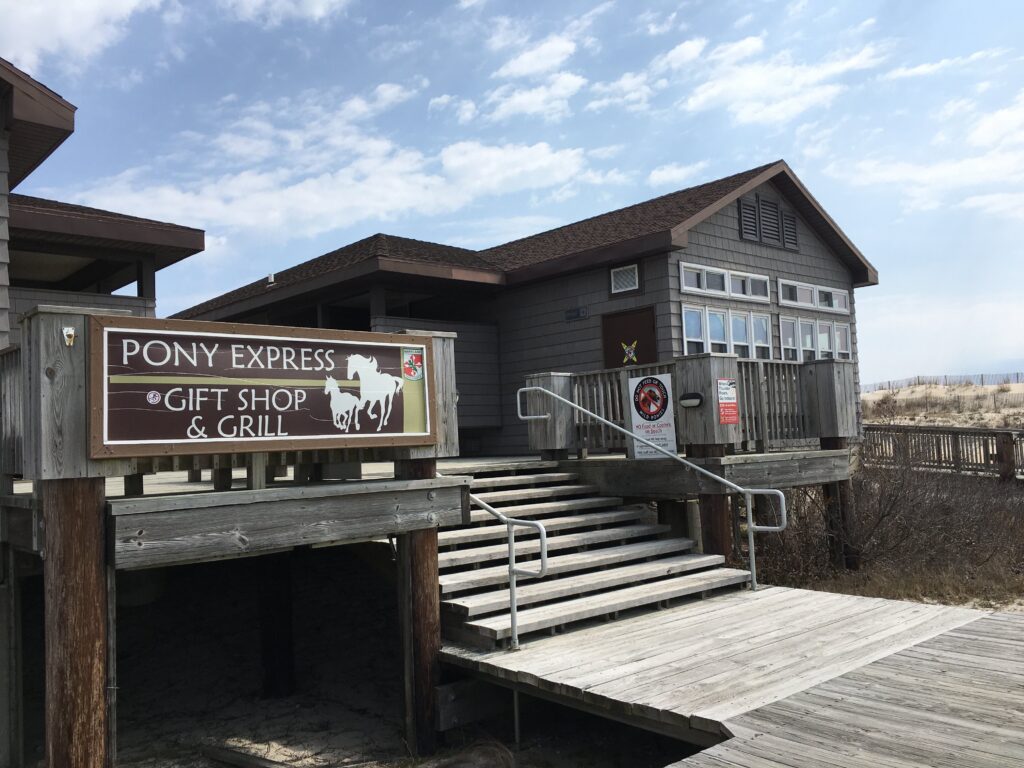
x,y
694,670
954,700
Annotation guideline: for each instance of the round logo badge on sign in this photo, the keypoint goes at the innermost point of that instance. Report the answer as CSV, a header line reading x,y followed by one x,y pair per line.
x,y
650,399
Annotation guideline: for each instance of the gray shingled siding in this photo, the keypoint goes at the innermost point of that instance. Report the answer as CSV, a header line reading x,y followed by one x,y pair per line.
x,y
5,305
23,300
535,335
476,365
716,243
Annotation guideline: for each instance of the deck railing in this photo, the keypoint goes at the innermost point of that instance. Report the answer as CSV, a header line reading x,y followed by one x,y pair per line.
x,y
771,414
956,449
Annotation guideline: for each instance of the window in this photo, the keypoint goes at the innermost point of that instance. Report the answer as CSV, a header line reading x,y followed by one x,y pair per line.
x,y
737,285
625,279
763,220
693,330
787,333
843,348
718,330
762,328
808,349
825,341
802,295
740,334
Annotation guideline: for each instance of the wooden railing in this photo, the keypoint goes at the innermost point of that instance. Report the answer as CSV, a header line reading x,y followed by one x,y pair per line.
x,y
956,449
771,412
601,392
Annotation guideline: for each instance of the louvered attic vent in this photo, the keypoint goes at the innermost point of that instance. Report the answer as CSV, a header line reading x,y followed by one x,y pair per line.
x,y
625,279
764,221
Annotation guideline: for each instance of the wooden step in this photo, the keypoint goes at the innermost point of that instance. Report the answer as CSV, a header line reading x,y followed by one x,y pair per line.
x,y
542,508
620,533
551,589
468,467
568,611
543,492
499,532
463,581
505,481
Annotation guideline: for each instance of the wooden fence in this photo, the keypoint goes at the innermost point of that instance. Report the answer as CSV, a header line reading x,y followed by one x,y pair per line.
x,y
771,413
956,449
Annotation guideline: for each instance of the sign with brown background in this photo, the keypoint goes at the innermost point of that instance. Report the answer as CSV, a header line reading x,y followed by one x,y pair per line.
x,y
165,387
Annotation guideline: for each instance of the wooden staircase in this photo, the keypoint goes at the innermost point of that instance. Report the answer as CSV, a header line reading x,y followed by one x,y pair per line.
x,y
604,557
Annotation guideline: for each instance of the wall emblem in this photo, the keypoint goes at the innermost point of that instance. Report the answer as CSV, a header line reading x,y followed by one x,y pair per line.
x,y
412,364
629,352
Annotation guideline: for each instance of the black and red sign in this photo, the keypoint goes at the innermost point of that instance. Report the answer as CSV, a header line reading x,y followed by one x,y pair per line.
x,y
650,398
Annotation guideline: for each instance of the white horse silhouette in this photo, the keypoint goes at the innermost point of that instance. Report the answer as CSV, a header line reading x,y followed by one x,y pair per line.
x,y
375,387
345,406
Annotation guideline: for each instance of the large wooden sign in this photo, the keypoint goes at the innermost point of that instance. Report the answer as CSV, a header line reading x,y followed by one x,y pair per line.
x,y
177,386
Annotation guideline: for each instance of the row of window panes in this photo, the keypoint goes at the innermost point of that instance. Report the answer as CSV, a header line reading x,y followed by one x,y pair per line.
x,y
718,330
748,335
738,285
805,339
813,296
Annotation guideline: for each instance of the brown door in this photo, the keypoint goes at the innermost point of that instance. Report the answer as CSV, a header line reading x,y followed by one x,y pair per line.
x,y
628,338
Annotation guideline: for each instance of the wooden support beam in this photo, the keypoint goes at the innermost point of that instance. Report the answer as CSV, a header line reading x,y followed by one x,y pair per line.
x,y
1005,458
256,472
221,478
838,504
76,610
11,698
715,509
274,582
420,613
195,475
134,485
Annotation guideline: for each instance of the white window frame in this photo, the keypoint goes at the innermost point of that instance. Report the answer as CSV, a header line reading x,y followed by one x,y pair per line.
x,y
635,268
796,338
703,329
750,339
849,340
708,311
815,302
831,351
753,336
729,274
800,337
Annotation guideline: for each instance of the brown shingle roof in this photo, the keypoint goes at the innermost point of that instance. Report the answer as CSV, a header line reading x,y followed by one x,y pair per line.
x,y
375,246
657,215
27,203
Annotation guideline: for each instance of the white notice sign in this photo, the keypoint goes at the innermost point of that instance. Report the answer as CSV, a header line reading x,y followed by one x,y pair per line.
x,y
653,417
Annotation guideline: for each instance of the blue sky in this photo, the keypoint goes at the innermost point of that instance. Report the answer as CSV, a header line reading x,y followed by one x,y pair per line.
x,y
286,128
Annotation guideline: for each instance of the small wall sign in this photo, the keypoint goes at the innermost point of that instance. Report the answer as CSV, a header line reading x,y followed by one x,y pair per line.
x,y
177,386
652,415
728,402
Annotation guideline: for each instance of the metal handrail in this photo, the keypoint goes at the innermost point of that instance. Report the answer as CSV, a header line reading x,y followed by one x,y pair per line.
x,y
513,571
747,493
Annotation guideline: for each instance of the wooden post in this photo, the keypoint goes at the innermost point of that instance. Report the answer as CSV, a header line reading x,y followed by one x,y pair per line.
x,y
715,510
134,485
221,478
554,436
77,661
420,613
195,475
256,472
11,699
274,580
838,503
1005,456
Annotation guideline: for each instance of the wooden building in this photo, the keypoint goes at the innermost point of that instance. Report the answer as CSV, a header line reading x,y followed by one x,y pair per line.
x,y
750,264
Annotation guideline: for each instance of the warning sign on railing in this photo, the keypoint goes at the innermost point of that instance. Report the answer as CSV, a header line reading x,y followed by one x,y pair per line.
x,y
728,402
653,417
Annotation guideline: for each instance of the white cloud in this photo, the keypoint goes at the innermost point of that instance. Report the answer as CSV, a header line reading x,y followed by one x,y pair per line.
x,y
796,7
1004,126
464,109
71,31
775,89
631,91
675,174
270,13
654,24
742,21
683,54
1008,204
464,4
931,68
484,233
477,168
606,152
544,57
395,49
813,140
506,33
954,108
549,101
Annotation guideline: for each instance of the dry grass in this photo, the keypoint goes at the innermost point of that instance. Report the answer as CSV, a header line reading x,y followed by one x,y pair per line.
x,y
920,535
963,405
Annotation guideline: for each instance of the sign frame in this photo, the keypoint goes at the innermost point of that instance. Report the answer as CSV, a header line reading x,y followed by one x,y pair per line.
x,y
96,379
729,406
664,422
